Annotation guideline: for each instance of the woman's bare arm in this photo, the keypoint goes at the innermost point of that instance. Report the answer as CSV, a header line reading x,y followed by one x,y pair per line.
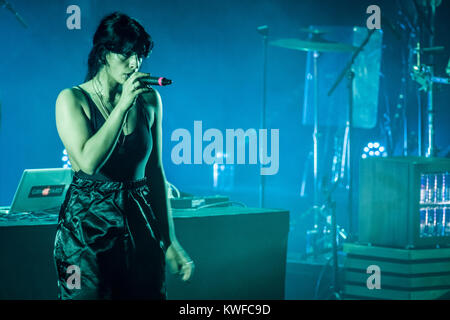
x,y
178,260
154,171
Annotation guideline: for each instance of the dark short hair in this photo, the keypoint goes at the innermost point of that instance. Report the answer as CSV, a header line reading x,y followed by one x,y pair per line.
x,y
121,34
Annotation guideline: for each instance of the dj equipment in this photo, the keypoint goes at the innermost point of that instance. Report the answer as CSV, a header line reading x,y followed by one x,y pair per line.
x,y
197,201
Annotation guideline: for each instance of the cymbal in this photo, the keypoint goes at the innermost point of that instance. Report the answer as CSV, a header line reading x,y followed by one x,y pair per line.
x,y
321,46
314,31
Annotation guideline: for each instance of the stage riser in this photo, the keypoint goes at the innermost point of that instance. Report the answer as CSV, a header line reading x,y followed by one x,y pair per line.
x,y
404,274
362,293
398,282
400,268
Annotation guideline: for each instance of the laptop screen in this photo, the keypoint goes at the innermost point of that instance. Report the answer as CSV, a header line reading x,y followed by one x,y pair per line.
x,y
41,189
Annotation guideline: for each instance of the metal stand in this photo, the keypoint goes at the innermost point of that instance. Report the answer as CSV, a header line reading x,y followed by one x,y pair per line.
x,y
315,155
349,124
430,107
430,120
329,206
264,31
316,136
350,76
424,74
7,5
315,45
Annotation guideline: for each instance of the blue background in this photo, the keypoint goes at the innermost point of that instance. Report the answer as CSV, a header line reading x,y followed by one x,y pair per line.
x,y
212,51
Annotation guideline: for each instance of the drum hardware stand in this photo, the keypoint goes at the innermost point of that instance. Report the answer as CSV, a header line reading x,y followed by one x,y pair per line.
x,y
316,209
403,100
348,71
315,45
424,76
331,204
264,31
336,232
305,174
415,26
316,136
346,155
328,211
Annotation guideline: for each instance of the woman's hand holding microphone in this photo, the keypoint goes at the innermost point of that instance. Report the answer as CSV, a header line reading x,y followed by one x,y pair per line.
x,y
132,88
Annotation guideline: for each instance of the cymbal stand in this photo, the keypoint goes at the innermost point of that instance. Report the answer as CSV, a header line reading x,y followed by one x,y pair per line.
x,y
329,206
348,71
264,31
424,74
430,105
316,135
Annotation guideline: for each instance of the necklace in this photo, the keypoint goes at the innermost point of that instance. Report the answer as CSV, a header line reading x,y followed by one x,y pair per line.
x,y
99,94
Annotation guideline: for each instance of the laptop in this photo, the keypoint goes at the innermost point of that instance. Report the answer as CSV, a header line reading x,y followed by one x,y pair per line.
x,y
40,190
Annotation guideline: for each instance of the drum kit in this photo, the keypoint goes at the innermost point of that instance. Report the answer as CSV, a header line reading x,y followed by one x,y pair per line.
x,y
316,43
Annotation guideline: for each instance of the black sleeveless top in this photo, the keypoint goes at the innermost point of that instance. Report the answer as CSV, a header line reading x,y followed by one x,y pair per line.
x,y
127,162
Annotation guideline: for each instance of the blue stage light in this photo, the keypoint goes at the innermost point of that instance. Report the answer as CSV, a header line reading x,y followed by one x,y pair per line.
x,y
374,149
65,160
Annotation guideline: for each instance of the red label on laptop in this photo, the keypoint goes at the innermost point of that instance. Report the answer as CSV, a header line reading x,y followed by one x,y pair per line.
x,y
46,191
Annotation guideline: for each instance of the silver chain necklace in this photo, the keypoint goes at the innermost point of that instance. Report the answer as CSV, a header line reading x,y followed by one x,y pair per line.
x,y
106,110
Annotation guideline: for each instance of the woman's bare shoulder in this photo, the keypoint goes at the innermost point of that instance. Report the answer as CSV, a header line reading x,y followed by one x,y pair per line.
x,y
152,101
70,95
72,100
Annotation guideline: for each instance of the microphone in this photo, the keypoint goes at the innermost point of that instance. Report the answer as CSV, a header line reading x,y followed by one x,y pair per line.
x,y
156,81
